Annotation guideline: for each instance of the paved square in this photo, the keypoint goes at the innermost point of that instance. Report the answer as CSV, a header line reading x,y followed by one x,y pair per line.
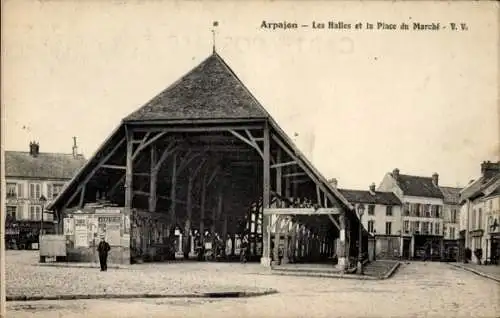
x,y
417,290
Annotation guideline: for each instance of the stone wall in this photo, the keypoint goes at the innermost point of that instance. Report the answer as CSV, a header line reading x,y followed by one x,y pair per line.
x,y
84,228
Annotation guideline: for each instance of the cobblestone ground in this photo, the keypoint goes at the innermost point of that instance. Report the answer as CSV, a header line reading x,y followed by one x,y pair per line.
x,y
417,290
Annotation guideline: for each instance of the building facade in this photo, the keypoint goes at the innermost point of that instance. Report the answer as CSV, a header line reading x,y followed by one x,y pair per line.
x,y
422,213
480,215
29,176
451,221
381,218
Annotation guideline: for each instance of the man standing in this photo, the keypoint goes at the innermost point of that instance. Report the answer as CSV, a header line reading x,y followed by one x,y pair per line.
x,y
103,250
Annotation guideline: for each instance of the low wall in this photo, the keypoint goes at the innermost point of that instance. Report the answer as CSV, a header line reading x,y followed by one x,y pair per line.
x,y
117,255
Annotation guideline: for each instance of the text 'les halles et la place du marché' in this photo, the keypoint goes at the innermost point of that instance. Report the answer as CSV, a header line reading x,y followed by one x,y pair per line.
x,y
341,25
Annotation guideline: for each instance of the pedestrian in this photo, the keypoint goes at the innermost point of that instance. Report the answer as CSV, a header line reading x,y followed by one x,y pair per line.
x,y
103,250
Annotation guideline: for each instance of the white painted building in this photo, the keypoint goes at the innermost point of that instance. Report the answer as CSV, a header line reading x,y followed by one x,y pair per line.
x,y
422,212
28,176
480,214
382,218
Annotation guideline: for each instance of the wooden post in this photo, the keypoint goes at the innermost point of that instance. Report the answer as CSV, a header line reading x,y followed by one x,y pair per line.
x,y
173,188
341,244
152,181
189,213
277,232
286,248
129,171
265,260
202,207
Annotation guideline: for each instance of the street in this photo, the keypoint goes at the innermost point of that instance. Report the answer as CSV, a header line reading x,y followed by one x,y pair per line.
x,y
417,290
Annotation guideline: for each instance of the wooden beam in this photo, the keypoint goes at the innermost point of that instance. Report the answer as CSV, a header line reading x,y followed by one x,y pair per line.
x,y
91,174
153,180
186,160
305,168
266,196
256,145
292,175
302,211
300,181
220,128
283,164
114,167
166,152
318,195
248,142
145,143
82,197
173,189
214,173
202,206
334,221
129,172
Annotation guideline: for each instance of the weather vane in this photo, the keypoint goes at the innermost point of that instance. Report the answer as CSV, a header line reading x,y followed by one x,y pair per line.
x,y
215,24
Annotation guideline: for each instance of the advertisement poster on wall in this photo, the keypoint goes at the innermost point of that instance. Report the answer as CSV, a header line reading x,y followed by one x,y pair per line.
x,y
81,231
69,226
109,227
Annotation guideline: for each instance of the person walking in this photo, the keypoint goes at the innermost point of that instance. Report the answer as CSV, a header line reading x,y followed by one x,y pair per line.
x,y
103,249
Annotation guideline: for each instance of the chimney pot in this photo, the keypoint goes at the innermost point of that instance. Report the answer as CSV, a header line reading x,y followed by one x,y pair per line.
x,y
334,182
395,173
372,188
34,148
435,179
75,148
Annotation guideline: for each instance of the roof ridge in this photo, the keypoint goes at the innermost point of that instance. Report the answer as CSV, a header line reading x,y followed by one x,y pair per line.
x,y
230,70
173,84
43,153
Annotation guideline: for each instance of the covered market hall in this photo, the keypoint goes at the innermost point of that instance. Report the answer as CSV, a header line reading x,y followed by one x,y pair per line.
x,y
204,167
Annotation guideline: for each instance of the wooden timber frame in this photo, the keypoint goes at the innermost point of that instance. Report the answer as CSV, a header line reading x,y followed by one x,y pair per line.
x,y
231,177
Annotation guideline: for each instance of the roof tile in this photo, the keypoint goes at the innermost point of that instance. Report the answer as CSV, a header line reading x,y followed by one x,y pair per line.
x,y
46,165
209,91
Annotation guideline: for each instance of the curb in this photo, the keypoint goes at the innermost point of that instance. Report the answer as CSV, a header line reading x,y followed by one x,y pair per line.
x,y
392,271
235,294
387,275
78,266
323,275
476,272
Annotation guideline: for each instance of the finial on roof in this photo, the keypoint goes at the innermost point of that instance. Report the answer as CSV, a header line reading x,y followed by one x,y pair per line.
x,y
215,24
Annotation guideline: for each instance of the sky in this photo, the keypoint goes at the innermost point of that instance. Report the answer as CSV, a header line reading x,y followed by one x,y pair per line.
x,y
363,102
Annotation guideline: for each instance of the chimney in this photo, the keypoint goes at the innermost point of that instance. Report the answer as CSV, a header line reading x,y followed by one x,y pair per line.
x,y
34,149
75,148
435,179
372,189
333,182
489,169
395,173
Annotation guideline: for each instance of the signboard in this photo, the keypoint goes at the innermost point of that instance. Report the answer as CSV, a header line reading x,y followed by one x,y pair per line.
x,y
107,211
109,227
69,226
113,236
81,231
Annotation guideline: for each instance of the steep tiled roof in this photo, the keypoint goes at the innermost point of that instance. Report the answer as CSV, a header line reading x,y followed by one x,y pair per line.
x,y
209,91
360,196
477,187
451,195
419,186
45,165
